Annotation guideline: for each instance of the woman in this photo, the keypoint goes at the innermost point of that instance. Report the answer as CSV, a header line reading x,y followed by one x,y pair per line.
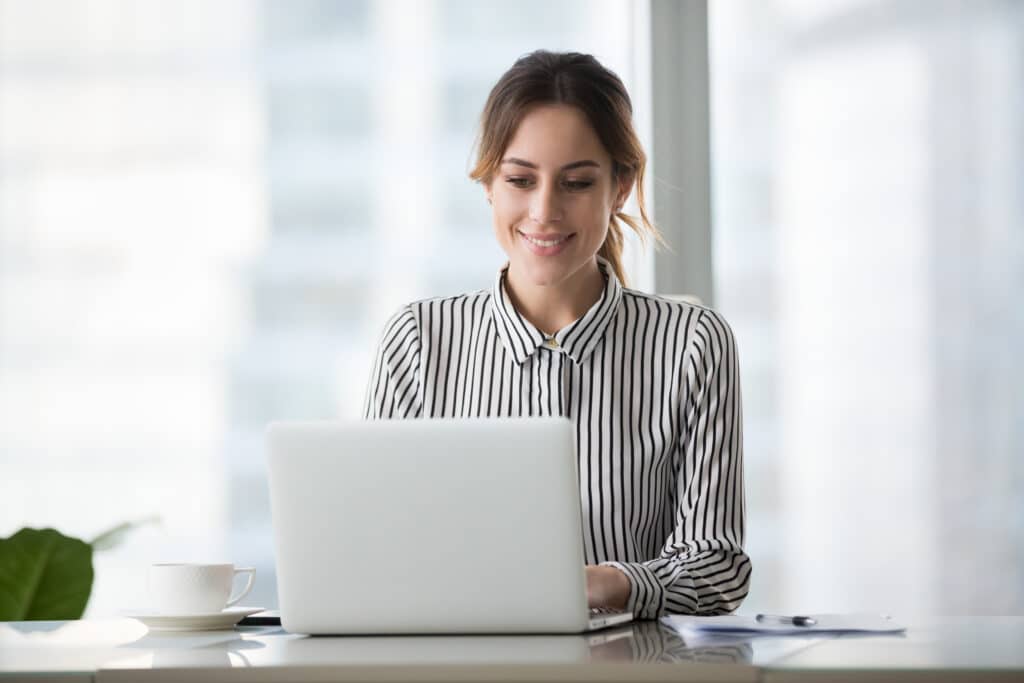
x,y
652,385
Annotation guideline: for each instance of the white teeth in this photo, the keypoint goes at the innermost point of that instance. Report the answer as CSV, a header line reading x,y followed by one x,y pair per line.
x,y
545,243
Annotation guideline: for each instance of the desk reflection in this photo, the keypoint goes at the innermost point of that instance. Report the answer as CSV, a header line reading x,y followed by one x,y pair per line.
x,y
652,641
639,642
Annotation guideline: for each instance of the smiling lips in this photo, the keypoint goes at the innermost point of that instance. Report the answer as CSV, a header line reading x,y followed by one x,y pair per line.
x,y
546,244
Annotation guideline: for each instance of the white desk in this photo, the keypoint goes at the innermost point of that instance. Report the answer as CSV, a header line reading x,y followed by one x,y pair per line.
x,y
122,650
933,649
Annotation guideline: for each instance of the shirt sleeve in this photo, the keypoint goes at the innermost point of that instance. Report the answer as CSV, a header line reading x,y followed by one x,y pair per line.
x,y
702,568
393,390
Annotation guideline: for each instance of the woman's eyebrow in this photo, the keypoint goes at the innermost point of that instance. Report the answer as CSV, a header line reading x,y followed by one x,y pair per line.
x,y
567,167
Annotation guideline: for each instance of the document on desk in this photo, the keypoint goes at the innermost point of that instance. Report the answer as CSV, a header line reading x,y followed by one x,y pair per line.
x,y
832,624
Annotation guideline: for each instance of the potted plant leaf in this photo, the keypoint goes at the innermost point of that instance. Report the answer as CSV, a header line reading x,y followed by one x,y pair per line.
x,y
45,575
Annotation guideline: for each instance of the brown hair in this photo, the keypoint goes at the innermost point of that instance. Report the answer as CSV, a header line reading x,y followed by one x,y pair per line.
x,y
580,81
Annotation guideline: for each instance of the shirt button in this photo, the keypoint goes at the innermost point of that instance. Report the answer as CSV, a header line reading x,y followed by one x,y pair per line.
x,y
551,343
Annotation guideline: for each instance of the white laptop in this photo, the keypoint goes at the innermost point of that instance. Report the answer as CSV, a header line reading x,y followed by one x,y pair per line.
x,y
429,526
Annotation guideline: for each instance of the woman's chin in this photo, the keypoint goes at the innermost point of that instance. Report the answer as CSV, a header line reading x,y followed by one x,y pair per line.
x,y
544,274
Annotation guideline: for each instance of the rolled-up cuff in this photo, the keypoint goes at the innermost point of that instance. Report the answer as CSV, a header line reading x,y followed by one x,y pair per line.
x,y
646,594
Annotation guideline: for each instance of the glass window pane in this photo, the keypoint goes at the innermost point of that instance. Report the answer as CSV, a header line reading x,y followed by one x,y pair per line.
x,y
867,160
207,211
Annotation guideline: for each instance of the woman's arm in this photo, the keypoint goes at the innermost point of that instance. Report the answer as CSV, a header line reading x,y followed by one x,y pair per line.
x,y
702,568
393,390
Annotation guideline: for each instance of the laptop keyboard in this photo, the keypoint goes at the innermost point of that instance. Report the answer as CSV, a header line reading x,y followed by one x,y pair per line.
x,y
599,611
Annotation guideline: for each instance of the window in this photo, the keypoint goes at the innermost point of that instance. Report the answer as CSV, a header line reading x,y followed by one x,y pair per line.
x,y
869,253
207,211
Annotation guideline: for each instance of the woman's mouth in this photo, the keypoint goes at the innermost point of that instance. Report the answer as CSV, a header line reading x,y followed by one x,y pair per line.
x,y
546,245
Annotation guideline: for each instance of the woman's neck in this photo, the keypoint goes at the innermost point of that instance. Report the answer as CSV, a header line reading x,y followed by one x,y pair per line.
x,y
549,308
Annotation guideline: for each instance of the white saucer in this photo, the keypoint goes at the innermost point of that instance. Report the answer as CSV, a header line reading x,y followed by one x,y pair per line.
x,y
213,621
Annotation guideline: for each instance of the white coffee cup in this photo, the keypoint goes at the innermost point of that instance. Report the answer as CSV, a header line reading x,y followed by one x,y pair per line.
x,y
185,588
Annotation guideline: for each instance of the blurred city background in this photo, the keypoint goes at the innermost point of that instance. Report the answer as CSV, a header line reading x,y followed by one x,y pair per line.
x,y
208,210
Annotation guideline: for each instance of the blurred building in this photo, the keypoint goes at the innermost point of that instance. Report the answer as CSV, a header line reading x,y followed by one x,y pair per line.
x,y
870,253
207,212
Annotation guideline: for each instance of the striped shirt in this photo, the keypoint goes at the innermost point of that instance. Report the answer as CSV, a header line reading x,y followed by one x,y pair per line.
x,y
652,387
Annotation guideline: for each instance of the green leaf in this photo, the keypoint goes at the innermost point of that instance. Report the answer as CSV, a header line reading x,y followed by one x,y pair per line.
x,y
44,575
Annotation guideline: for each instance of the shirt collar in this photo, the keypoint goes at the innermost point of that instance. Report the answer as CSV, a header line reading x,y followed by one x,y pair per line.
x,y
577,339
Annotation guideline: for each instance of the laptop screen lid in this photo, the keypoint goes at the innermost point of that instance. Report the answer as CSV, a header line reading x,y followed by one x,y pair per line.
x,y
427,526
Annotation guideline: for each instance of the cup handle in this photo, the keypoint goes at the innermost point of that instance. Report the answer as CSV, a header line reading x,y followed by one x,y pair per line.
x,y
251,571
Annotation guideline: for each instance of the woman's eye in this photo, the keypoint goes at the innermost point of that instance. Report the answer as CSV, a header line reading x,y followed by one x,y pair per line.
x,y
577,185
571,185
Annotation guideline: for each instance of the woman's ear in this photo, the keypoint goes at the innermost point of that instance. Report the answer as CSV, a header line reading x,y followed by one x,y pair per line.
x,y
624,187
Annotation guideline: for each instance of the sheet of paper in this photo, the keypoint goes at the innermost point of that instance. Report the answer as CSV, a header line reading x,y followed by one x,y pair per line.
x,y
825,623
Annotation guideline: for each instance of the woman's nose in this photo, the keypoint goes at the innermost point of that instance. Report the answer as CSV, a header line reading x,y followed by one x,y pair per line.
x,y
545,205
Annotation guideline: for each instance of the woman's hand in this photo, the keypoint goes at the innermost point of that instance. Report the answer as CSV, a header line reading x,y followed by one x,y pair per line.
x,y
606,587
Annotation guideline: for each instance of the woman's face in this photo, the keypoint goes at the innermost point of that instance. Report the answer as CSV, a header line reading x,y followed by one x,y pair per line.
x,y
553,195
